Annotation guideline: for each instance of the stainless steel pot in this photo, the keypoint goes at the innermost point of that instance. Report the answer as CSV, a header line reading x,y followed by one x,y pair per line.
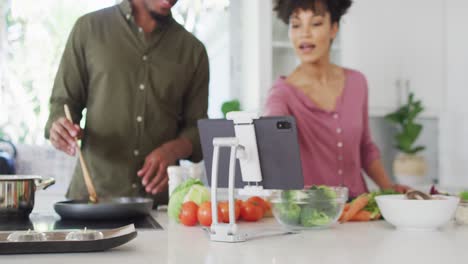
x,y
17,193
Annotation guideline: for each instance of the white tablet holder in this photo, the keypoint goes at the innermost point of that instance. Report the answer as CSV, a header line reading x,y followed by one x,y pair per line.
x,y
243,147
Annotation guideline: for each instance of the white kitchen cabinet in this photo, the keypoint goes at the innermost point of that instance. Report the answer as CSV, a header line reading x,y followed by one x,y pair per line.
x,y
399,46
3,7
454,119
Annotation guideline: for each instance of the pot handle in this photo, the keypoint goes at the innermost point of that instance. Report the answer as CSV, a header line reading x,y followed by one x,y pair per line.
x,y
44,184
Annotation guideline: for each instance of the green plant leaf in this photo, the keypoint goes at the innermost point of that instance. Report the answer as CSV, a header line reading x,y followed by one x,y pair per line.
x,y
409,130
413,130
416,149
410,98
416,108
394,117
229,106
403,142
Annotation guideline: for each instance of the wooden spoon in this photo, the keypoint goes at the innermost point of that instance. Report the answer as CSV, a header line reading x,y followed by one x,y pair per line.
x,y
87,178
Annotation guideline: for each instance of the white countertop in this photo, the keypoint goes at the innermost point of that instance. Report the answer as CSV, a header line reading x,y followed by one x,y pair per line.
x,y
375,242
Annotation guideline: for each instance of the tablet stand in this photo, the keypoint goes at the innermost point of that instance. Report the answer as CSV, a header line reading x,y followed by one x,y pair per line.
x,y
243,147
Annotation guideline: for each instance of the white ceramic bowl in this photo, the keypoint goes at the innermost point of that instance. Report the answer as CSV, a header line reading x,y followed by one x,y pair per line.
x,y
417,214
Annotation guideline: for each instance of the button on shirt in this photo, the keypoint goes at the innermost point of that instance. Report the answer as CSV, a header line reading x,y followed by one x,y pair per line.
x,y
140,91
335,145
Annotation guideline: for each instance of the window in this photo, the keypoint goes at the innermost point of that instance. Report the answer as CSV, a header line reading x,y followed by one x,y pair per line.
x,y
32,39
208,20
35,35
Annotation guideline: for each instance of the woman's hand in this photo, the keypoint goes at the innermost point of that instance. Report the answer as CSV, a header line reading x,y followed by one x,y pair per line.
x,y
400,188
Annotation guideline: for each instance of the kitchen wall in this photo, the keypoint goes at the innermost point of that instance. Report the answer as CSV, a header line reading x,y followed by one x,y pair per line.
x,y
3,8
47,162
454,120
383,133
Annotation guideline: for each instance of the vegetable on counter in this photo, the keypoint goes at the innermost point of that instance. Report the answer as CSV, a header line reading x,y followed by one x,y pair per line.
x,y
250,210
290,213
188,214
314,217
266,206
364,207
356,205
190,190
314,207
223,208
434,191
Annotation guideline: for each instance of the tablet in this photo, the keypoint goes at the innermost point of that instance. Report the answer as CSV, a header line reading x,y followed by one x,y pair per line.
x,y
278,151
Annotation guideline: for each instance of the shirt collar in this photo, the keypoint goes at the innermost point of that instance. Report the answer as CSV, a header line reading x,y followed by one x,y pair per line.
x,y
126,8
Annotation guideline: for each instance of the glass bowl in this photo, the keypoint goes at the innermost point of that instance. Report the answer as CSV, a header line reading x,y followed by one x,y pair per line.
x,y
315,208
85,234
26,236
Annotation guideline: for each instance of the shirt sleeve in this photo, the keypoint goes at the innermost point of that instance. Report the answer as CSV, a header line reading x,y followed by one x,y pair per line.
x,y
71,81
276,103
369,150
196,105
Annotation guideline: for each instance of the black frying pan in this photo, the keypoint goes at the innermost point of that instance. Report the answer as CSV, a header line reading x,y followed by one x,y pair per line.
x,y
115,208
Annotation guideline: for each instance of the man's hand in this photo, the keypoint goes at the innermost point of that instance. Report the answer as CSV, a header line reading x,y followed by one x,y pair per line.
x,y
63,134
154,172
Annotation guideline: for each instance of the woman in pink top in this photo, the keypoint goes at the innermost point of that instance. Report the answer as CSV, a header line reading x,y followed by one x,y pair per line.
x,y
329,102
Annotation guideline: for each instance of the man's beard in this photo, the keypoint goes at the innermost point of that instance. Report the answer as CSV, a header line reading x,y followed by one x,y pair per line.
x,y
160,19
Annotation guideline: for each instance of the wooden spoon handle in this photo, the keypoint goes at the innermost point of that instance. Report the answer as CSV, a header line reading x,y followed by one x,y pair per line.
x,y
87,177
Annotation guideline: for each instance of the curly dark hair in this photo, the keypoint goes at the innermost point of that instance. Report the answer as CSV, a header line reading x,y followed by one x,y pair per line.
x,y
336,8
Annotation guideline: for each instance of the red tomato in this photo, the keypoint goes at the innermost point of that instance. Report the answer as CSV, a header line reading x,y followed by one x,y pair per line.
x,y
239,203
188,213
251,212
257,200
204,214
223,208
268,212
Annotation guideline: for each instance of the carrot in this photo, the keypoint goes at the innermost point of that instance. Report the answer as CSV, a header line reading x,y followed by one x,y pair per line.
x,y
362,215
345,209
356,205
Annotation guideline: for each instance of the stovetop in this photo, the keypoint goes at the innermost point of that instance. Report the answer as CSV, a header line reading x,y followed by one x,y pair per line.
x,y
50,222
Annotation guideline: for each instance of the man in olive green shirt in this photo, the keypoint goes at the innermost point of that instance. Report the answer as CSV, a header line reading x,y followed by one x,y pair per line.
x,y
143,80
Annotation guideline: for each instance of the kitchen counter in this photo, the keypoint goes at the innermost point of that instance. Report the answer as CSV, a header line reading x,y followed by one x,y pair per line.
x,y
375,242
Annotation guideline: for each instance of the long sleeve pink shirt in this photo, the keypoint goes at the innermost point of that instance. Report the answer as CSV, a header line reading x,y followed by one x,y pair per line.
x,y
335,145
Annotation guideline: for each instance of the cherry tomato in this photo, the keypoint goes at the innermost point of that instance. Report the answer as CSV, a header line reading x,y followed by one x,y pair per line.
x,y
204,214
239,203
257,200
223,208
188,213
251,212
268,212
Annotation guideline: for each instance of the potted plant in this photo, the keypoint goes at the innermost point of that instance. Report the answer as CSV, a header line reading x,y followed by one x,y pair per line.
x,y
229,106
408,167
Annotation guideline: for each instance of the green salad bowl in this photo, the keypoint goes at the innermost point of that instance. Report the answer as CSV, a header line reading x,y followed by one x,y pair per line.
x,y
315,208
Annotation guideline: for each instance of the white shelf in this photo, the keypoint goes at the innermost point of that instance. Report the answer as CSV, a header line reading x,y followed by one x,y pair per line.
x,y
282,44
287,45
